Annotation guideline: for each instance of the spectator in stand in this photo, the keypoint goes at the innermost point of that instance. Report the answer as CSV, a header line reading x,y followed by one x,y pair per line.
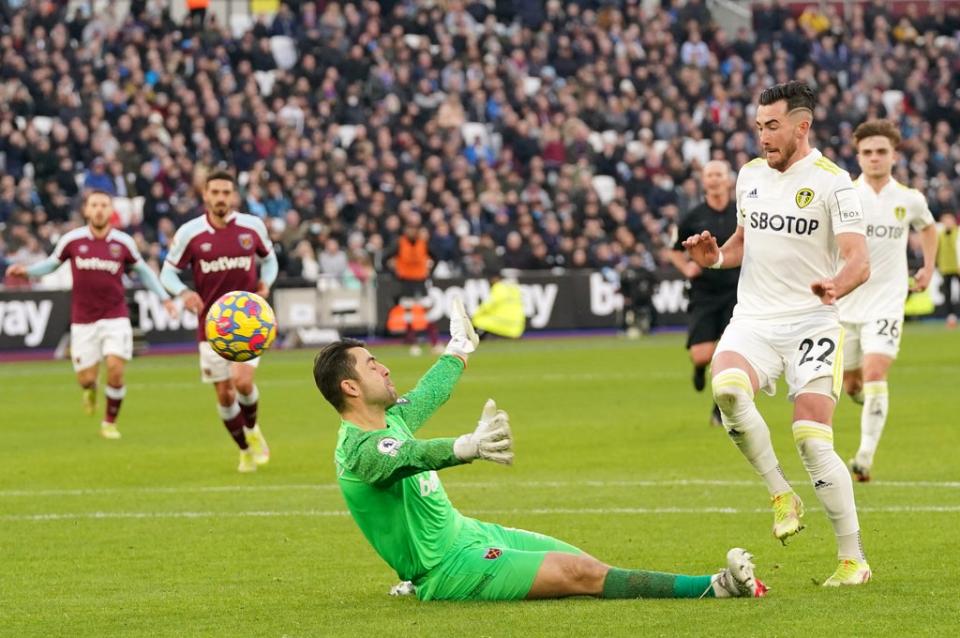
x,y
333,261
368,126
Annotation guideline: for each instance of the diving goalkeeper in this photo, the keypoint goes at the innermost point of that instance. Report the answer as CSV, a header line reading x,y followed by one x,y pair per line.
x,y
389,481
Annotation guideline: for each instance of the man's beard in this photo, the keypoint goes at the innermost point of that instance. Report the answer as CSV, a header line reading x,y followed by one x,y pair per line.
x,y
786,153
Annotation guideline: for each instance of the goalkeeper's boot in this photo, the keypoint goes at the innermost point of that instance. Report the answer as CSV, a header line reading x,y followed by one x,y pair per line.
x,y
787,512
109,431
849,572
737,579
258,445
89,400
860,471
247,464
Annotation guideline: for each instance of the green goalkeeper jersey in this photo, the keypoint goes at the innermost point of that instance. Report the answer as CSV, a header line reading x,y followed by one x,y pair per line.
x,y
389,481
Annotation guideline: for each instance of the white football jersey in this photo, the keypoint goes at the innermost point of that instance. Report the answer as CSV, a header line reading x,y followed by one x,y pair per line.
x,y
790,222
889,215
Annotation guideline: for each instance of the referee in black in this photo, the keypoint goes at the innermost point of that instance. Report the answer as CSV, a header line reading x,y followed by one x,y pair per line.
x,y
713,293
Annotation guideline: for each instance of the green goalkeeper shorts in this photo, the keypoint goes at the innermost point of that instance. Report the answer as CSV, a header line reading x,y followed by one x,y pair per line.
x,y
489,562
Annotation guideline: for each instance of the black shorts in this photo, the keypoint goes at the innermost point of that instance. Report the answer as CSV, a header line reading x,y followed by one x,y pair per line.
x,y
410,289
709,316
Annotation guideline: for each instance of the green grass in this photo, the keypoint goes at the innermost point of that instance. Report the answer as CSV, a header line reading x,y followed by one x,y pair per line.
x,y
157,534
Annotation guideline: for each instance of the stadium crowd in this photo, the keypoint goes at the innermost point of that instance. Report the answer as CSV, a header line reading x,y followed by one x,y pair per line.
x,y
521,134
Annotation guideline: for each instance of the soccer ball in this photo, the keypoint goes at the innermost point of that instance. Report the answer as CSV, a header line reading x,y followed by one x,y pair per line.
x,y
240,326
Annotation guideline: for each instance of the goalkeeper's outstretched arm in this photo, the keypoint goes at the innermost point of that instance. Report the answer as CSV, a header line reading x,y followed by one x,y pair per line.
x,y
436,386
380,459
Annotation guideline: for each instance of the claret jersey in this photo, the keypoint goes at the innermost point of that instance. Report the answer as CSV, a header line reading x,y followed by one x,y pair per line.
x,y
97,266
222,259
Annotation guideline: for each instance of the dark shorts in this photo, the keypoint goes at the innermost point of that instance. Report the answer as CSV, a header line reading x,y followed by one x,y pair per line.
x,y
709,316
412,289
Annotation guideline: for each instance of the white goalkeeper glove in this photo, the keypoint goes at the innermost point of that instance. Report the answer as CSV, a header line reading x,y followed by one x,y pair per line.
x,y
463,338
491,441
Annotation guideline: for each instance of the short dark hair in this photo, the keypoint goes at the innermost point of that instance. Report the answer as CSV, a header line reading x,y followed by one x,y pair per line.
x,y
871,128
333,364
94,191
798,95
220,174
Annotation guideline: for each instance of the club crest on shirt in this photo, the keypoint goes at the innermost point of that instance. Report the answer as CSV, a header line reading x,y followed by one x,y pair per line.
x,y
246,240
900,212
83,248
206,246
115,251
493,553
804,197
388,446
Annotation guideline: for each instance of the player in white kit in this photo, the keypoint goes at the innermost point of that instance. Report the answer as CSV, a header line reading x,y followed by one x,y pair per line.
x,y
872,315
798,214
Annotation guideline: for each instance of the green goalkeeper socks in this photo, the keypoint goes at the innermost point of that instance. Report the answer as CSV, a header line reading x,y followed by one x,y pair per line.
x,y
637,583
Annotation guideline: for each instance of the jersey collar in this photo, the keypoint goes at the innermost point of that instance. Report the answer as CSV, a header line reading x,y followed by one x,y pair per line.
x,y
232,215
811,157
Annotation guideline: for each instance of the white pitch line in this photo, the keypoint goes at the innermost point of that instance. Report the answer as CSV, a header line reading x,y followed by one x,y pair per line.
x,y
318,487
566,511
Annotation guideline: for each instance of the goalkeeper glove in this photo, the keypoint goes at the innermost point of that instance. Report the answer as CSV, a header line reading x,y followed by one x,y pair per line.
x,y
463,338
491,441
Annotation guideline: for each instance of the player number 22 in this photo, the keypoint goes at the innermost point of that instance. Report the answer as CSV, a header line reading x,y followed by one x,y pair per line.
x,y
806,346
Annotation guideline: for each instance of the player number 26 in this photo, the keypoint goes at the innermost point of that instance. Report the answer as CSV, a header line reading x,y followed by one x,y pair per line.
x,y
888,327
807,346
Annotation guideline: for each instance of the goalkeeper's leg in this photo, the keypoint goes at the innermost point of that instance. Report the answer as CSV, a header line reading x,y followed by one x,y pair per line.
x,y
489,572
562,575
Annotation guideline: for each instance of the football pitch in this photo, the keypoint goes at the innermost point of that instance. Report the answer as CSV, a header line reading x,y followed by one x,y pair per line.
x,y
157,534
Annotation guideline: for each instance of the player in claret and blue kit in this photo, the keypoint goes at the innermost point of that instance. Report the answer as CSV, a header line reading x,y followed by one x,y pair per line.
x,y
222,248
99,319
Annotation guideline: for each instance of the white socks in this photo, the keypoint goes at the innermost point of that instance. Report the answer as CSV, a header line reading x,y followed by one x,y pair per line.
x,y
115,393
228,412
733,393
873,417
249,399
832,483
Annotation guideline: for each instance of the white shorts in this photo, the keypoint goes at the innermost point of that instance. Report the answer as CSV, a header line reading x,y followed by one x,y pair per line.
x,y
878,336
91,342
802,351
214,368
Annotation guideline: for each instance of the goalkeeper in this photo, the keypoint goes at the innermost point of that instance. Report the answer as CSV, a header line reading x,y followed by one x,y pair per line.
x,y
389,481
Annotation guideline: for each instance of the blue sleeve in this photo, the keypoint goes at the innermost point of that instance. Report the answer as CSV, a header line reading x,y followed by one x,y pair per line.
x,y
269,268
170,278
149,279
44,267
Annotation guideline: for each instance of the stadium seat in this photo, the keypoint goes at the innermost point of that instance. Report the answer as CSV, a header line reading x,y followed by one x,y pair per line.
x,y
605,187
346,134
893,101
284,51
42,124
123,207
531,85
240,23
472,130
265,80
